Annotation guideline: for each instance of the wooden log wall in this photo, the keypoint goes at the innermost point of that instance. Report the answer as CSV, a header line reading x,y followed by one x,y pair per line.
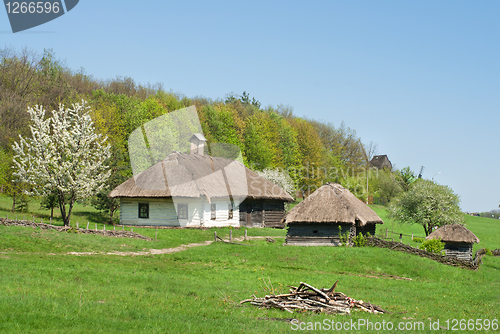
x,y
310,233
460,251
368,228
262,213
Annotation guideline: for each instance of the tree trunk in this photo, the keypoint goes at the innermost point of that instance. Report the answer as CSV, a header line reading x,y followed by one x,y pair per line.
x,y
62,208
13,203
111,212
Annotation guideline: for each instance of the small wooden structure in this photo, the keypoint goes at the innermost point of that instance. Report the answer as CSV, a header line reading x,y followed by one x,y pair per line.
x,y
381,162
316,220
458,240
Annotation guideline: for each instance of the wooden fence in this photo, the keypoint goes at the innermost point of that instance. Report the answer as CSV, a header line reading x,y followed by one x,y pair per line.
x,y
398,246
104,232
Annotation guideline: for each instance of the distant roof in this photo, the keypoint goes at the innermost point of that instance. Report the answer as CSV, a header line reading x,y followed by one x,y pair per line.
x,y
381,161
454,233
332,203
196,175
198,136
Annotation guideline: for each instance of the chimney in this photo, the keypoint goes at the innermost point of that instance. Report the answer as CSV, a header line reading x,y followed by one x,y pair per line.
x,y
197,143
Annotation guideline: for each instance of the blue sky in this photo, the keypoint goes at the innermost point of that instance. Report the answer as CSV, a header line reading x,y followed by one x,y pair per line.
x,y
419,78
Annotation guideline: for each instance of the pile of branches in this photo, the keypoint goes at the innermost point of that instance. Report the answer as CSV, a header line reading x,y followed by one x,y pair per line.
x,y
308,298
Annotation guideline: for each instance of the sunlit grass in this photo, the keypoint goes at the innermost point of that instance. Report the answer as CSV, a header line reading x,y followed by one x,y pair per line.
x,y
198,290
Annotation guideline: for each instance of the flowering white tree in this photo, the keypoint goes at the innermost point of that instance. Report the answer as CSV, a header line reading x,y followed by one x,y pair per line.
x,y
64,156
428,204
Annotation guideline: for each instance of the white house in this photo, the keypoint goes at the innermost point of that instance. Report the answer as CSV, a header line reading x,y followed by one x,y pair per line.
x,y
197,190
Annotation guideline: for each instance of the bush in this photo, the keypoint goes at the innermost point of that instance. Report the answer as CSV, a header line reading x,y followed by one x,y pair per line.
x,y
433,246
419,240
360,240
344,238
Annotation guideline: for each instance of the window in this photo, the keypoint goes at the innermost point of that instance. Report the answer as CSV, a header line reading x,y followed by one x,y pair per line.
x,y
230,210
144,210
213,208
182,211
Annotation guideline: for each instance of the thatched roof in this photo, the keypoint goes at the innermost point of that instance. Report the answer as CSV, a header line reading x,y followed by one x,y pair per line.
x,y
332,203
196,175
380,162
454,233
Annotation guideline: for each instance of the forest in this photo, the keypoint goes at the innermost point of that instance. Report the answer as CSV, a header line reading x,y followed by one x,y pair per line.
x,y
312,152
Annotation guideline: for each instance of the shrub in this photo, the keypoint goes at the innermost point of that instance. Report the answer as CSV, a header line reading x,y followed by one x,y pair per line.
x,y
344,238
433,246
360,239
419,240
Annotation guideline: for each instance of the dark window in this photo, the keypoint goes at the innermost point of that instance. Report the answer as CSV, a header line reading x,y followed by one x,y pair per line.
x,y
213,208
230,210
182,211
144,210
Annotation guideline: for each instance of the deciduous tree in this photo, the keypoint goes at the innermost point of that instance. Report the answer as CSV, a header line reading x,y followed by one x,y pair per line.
x,y
63,155
428,204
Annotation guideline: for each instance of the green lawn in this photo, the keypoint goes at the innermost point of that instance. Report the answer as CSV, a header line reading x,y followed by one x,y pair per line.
x,y
197,290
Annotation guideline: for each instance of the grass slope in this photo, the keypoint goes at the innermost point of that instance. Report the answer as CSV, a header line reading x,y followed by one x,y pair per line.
x,y
197,290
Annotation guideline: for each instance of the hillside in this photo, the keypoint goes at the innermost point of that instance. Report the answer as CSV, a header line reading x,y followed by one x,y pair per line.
x,y
197,290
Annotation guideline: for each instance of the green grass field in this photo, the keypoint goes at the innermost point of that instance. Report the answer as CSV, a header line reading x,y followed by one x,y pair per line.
x,y
44,290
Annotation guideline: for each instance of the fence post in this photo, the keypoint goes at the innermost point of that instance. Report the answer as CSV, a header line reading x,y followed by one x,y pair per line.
x,y
215,236
87,225
16,216
123,227
132,229
230,235
386,233
412,237
156,233
76,225
96,227
245,234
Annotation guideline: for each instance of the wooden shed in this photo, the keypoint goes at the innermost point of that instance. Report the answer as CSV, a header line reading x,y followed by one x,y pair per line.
x,y
315,221
458,240
192,190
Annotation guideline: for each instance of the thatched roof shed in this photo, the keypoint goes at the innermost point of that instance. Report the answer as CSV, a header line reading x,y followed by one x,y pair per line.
x,y
454,233
332,203
196,175
458,240
328,212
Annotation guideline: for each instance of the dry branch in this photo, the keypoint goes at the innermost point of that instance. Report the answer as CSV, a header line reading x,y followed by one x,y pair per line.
x,y
307,297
